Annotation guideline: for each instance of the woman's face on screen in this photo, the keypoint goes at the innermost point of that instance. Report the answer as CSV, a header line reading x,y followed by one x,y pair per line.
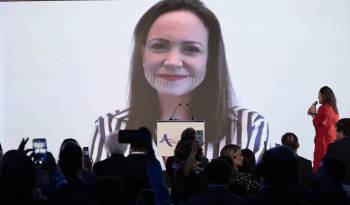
x,y
175,53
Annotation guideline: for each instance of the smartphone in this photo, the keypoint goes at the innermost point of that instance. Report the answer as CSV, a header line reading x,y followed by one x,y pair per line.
x,y
40,149
129,136
39,145
86,151
199,136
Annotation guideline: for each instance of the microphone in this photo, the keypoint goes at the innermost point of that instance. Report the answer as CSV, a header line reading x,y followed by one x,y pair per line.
x,y
171,118
189,106
313,104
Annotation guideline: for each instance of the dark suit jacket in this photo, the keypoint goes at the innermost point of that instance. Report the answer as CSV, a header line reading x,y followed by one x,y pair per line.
x,y
275,196
137,178
341,150
304,171
137,164
215,196
112,166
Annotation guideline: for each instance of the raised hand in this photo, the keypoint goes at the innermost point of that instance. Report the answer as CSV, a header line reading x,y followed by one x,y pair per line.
x,y
312,110
23,144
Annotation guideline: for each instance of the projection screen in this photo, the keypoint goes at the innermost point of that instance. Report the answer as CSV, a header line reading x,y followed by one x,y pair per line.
x,y
63,64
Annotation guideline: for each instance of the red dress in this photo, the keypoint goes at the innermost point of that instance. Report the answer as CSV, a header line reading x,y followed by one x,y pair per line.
x,y
325,125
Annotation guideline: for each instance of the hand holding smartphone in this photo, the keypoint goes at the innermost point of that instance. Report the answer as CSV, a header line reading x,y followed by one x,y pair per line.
x,y
40,149
199,137
86,151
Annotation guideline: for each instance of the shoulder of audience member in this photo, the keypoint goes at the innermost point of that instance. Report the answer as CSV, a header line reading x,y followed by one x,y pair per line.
x,y
225,197
304,159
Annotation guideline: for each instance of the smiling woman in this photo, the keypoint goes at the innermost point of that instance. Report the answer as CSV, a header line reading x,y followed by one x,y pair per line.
x,y
175,56
179,58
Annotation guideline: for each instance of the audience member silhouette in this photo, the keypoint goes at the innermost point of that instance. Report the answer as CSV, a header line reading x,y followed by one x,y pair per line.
x,y
187,179
154,171
194,182
279,172
67,140
146,197
243,183
52,182
137,162
109,190
340,150
305,173
249,163
86,172
328,182
115,164
171,162
63,192
218,174
228,160
71,166
18,180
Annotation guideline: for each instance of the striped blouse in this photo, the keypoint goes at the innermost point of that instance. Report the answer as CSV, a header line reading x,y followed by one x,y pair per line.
x,y
248,129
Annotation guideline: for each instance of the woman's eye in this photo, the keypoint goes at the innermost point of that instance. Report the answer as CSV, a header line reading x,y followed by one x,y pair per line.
x,y
191,50
159,47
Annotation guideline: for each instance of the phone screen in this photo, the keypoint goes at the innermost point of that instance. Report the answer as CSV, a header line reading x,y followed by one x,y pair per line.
x,y
40,149
86,151
199,136
39,145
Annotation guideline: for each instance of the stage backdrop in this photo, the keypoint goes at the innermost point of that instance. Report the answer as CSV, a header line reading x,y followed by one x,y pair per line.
x,y
62,64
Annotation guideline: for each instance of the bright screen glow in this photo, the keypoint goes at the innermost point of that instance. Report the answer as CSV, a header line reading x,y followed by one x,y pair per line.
x,y
63,64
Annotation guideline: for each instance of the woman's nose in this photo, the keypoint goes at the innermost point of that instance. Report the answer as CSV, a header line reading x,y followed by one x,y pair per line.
x,y
173,59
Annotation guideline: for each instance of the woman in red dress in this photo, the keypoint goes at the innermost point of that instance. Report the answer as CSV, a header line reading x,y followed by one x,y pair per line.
x,y
324,121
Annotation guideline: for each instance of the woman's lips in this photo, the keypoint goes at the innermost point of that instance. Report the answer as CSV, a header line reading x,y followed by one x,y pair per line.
x,y
171,77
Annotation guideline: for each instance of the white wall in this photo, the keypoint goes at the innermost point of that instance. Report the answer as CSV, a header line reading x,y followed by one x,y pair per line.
x,y
67,62
281,53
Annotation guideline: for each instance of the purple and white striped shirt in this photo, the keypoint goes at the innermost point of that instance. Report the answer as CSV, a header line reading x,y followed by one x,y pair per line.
x,y
248,129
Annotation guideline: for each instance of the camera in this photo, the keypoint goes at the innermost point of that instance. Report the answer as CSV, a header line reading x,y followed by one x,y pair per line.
x,y
140,139
40,149
130,136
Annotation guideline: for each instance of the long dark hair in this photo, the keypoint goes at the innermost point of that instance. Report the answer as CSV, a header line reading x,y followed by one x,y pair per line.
x,y
184,146
249,163
215,90
328,97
